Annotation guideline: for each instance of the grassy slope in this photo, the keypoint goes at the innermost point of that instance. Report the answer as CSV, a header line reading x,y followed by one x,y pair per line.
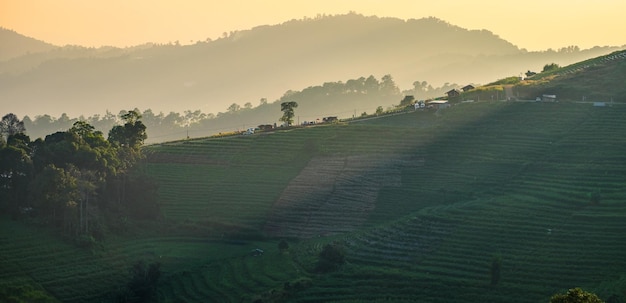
x,y
477,181
598,79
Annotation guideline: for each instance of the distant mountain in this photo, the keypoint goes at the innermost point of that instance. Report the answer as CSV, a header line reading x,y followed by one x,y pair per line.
x,y
13,45
263,62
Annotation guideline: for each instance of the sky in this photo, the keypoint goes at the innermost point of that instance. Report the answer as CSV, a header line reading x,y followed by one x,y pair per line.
x,y
529,24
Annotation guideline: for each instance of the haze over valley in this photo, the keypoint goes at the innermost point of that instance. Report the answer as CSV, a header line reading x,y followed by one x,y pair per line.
x,y
380,156
263,62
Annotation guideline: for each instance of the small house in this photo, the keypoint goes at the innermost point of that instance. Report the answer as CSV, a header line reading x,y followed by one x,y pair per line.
x,y
467,87
453,93
329,119
439,104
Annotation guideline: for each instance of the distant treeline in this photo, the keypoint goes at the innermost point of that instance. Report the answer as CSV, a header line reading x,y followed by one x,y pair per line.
x,y
343,99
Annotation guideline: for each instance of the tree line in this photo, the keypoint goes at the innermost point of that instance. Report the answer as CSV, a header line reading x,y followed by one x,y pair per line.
x,y
338,98
76,181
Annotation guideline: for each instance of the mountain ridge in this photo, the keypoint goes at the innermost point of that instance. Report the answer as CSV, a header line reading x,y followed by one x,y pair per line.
x,y
262,62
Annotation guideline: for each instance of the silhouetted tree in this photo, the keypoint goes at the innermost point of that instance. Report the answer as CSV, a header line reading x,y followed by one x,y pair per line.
x,y
233,108
143,283
406,101
283,246
330,258
288,111
132,134
388,87
11,125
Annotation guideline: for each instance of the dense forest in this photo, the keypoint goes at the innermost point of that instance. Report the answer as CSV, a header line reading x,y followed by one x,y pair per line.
x,y
76,181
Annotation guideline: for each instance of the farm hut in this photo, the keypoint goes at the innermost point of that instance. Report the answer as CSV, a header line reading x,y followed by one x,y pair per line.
x,y
548,98
453,93
266,127
599,104
439,104
467,87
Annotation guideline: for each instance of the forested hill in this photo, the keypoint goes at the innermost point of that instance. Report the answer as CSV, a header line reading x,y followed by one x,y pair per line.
x,y
262,62
15,45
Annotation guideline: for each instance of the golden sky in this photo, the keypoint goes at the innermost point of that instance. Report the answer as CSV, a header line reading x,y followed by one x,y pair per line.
x,y
530,24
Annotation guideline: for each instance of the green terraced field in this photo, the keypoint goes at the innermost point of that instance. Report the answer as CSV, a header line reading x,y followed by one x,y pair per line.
x,y
421,202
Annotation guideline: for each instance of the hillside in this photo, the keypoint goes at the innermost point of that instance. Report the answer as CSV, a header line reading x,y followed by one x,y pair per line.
x,y
598,79
15,45
420,202
262,62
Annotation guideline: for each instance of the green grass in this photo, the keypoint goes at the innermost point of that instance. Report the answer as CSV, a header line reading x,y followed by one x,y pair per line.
x,y
420,201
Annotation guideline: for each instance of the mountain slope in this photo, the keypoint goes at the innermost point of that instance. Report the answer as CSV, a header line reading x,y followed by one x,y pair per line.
x,y
421,203
262,62
14,45
598,79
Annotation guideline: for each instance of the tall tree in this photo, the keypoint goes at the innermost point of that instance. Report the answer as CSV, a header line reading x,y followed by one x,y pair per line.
x,y
288,111
132,134
54,193
128,139
388,87
15,172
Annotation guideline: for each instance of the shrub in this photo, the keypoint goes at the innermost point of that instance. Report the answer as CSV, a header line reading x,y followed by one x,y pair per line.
x,y
283,246
576,295
330,258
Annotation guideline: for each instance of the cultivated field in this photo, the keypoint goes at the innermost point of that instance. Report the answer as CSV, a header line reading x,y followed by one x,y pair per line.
x,y
420,202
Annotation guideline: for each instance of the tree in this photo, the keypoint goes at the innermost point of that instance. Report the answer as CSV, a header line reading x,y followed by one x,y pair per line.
x,y
54,193
15,172
550,67
11,125
407,100
576,295
132,134
128,139
288,112
233,108
371,85
144,281
330,258
283,246
379,110
388,87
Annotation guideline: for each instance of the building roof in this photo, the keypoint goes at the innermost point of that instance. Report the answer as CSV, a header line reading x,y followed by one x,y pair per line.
x,y
438,102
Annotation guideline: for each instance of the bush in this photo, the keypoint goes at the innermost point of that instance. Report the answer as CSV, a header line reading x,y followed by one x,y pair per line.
x,y
576,295
283,246
142,285
330,258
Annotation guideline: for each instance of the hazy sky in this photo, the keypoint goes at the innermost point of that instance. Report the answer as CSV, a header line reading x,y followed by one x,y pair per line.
x,y
530,24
